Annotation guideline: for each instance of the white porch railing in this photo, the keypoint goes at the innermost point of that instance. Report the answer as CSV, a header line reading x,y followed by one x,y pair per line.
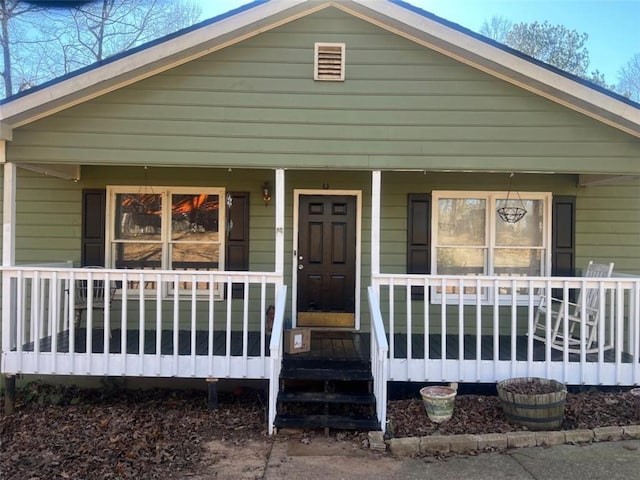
x,y
379,358
479,329
177,325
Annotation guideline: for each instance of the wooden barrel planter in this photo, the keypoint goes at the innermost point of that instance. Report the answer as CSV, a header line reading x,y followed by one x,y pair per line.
x,y
536,403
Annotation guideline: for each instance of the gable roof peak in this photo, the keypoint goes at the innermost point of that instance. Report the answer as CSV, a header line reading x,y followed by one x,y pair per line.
x,y
396,16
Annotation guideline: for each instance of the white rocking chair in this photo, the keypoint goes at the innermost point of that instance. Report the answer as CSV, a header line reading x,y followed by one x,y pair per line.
x,y
101,297
575,316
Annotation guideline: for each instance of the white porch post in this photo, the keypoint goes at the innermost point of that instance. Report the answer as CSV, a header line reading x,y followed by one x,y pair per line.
x,y
9,214
279,253
8,247
375,223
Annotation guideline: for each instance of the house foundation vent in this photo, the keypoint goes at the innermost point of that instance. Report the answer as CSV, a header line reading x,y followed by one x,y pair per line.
x,y
329,62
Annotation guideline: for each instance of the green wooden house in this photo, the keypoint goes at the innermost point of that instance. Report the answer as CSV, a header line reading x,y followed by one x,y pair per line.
x,y
361,166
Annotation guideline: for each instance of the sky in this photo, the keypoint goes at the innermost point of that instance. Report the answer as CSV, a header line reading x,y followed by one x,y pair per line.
x,y
613,25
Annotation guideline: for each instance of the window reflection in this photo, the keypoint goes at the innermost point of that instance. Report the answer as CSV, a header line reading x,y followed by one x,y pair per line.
x,y
138,216
194,217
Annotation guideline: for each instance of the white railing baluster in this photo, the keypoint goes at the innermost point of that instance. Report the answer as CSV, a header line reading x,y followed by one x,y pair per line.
x,y
211,330
263,325
124,307
194,308
36,320
602,329
20,309
496,327
141,321
55,309
427,324
176,323
89,331
583,332
159,289
619,321
547,330
634,320
460,329
245,325
530,312
228,332
478,304
106,337
409,324
443,331
514,326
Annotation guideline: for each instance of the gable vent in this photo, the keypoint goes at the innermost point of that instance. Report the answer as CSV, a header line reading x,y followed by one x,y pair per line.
x,y
329,61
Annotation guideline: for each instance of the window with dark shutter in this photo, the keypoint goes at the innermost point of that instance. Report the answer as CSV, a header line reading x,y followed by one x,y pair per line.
x,y
237,253
93,231
563,257
418,237
563,240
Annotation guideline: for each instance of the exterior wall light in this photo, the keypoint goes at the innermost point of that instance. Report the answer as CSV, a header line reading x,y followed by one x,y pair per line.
x,y
266,193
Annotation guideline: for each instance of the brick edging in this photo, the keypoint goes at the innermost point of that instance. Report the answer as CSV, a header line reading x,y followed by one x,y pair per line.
x,y
438,444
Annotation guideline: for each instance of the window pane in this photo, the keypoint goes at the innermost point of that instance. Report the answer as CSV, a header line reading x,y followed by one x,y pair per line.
x,y
460,261
528,232
461,221
138,255
138,216
518,262
194,218
195,255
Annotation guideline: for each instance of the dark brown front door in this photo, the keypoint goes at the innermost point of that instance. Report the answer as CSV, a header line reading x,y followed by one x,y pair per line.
x,y
327,260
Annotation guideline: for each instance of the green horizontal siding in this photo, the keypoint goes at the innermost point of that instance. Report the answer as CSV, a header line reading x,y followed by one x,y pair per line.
x,y
608,226
48,216
256,104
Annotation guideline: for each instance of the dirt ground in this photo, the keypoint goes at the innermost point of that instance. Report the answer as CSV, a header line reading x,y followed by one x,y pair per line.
x,y
67,433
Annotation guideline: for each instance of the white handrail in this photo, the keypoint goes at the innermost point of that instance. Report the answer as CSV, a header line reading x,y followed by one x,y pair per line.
x,y
275,349
379,357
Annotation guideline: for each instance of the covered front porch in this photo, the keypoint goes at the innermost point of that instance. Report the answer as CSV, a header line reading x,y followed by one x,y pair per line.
x,y
410,327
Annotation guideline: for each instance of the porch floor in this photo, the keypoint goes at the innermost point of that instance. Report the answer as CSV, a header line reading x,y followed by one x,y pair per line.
x,y
132,342
325,345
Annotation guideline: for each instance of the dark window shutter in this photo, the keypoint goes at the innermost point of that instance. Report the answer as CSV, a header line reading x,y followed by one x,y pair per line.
x,y
563,240
563,232
237,248
418,237
93,219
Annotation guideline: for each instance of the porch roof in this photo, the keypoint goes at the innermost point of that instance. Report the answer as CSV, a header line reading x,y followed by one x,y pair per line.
x,y
259,16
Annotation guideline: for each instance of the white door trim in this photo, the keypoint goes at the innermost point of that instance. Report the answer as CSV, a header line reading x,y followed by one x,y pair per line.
x,y
294,264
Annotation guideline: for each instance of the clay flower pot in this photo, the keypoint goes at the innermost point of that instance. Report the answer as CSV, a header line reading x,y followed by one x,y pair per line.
x,y
438,402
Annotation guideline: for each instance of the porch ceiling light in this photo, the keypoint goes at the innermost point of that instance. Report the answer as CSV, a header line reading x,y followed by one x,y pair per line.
x,y
512,212
266,193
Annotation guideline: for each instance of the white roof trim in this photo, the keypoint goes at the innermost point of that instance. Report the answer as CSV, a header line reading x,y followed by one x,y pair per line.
x,y
389,16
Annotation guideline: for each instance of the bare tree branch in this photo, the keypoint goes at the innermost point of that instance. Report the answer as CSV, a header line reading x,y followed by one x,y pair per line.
x,y
629,78
49,42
